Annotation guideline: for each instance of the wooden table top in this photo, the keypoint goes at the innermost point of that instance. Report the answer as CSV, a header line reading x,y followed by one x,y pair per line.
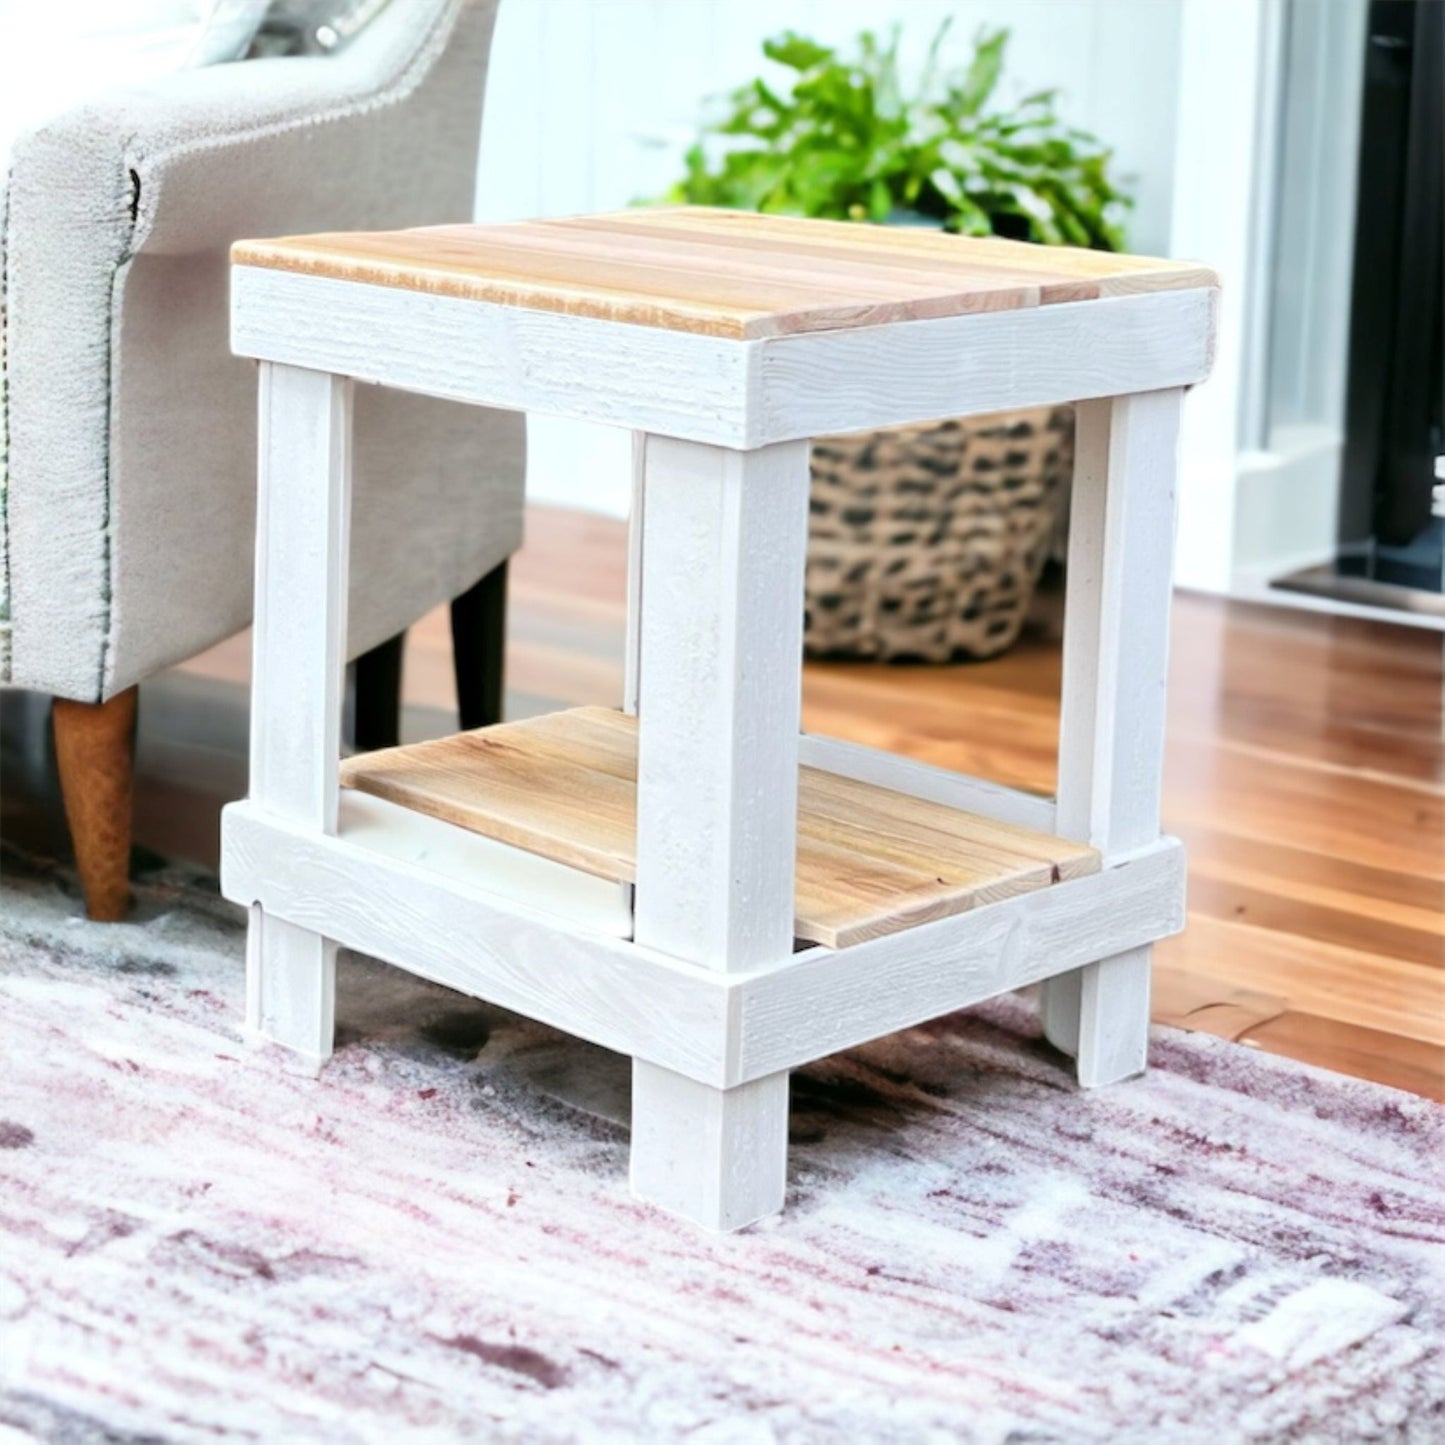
x,y
723,273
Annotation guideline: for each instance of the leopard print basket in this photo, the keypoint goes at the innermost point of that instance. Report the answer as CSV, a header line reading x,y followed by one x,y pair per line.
x,y
927,542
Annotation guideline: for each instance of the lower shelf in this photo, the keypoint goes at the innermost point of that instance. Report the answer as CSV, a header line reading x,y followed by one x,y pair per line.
x,y
870,861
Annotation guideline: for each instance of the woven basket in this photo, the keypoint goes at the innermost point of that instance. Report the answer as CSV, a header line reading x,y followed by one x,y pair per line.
x,y
927,542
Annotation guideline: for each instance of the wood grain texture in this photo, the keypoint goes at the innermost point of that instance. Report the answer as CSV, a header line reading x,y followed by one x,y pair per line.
x,y
870,862
722,273
829,1001
94,754
719,632
303,531
904,775
718,1157
1304,769
720,638
1115,673
590,984
737,393
720,1028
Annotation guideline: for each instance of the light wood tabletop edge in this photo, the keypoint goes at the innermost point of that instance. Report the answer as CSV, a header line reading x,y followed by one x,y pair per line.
x,y
1052,276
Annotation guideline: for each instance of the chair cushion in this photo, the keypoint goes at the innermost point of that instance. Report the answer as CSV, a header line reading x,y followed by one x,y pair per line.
x,y
60,55
129,520
57,56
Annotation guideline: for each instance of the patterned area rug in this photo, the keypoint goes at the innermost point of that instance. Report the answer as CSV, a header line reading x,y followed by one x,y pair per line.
x,y
434,1241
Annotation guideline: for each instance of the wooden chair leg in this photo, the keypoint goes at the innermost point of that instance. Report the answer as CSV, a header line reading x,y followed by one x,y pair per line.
x,y
95,750
479,645
375,703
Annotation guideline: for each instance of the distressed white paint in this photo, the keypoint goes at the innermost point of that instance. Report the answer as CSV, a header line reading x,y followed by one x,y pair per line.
x,y
1111,726
644,377
290,986
708,998
743,394
825,1001
299,639
299,630
511,876
720,1029
1116,633
632,660
542,964
717,753
919,780
837,381
721,632
718,1157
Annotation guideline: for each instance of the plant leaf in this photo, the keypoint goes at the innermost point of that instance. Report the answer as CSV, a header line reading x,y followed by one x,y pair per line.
x,y
843,138
983,72
796,51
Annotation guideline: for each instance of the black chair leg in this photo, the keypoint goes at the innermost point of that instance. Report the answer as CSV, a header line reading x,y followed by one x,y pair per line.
x,y
479,640
374,707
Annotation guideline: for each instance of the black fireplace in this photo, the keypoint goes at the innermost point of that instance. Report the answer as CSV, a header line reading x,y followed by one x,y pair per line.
x,y
1391,536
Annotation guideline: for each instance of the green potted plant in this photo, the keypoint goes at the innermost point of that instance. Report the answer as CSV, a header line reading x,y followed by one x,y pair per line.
x,y
925,542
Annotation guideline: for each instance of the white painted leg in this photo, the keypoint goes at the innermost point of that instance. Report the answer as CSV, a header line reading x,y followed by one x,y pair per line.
x,y
632,661
1059,1011
290,986
1113,1041
632,655
1116,663
721,650
720,647
710,1155
303,525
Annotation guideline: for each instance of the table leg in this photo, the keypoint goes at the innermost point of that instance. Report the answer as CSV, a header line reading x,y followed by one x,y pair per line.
x,y
720,648
636,520
1111,735
303,523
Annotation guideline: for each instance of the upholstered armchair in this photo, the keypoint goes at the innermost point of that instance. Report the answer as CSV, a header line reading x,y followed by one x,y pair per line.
x,y
128,429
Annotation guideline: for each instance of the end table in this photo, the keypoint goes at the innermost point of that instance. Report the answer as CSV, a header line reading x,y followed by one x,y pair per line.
x,y
690,880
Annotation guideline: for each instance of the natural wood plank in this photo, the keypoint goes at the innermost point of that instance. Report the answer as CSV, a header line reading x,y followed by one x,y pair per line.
x,y
1190,1001
1326,979
723,273
626,997
1295,695
1350,1048
1317,914
870,861
1116,274
830,1001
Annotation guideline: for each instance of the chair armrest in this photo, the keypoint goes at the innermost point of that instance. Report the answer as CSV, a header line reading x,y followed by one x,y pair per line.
x,y
117,217
308,143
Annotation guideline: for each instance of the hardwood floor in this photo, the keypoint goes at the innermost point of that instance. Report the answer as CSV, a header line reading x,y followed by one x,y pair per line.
x,y
1305,771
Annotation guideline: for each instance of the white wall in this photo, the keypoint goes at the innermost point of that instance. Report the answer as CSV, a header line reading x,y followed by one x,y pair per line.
x,y
591,103
1269,104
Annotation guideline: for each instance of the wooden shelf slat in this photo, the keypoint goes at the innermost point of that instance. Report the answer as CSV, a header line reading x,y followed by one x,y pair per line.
x,y
870,861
